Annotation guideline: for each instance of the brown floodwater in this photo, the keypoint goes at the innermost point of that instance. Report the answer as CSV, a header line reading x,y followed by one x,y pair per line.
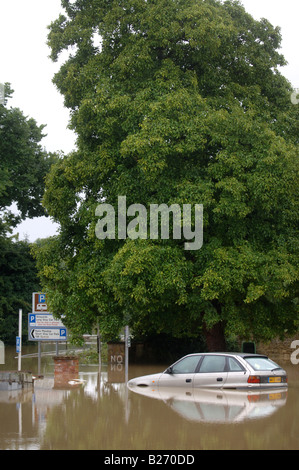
x,y
101,413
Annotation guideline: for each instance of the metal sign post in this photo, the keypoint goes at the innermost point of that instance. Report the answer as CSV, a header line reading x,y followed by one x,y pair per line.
x,y
127,346
19,341
39,358
2,353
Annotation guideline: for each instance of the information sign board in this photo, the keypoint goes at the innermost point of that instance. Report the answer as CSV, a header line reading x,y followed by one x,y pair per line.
x,y
44,327
44,320
47,334
39,302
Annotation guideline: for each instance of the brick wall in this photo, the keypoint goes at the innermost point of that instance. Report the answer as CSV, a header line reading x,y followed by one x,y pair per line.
x,y
66,369
278,348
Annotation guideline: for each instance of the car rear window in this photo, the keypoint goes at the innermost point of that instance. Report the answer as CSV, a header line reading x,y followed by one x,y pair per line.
x,y
261,363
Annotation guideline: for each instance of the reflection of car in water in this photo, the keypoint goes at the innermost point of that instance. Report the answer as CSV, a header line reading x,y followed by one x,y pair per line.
x,y
217,406
219,371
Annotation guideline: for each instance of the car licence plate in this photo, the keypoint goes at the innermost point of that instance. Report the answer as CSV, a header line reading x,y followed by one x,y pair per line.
x,y
274,380
275,396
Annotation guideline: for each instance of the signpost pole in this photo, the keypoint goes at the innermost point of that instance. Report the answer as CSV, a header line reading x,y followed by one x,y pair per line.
x,y
126,353
20,340
99,345
39,358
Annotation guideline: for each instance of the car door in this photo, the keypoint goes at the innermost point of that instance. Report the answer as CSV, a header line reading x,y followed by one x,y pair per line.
x,y
181,374
237,374
212,372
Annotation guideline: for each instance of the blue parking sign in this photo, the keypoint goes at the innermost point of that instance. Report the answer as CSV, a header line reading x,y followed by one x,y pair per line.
x,y
18,344
41,298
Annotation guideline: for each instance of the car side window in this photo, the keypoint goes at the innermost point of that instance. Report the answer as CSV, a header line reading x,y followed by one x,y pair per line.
x,y
186,366
234,365
213,364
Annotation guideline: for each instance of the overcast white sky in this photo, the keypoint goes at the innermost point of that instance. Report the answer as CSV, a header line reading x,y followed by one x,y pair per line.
x,y
25,63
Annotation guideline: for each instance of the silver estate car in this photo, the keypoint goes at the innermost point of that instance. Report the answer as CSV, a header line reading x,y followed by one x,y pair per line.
x,y
218,370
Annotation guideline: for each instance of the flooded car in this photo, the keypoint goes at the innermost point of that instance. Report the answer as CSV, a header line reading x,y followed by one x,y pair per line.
x,y
218,370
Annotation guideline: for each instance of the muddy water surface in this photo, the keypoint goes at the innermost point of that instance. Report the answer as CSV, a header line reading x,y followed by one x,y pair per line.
x,y
98,412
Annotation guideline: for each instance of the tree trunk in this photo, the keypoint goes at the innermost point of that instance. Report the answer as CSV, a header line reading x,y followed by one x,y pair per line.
x,y
215,339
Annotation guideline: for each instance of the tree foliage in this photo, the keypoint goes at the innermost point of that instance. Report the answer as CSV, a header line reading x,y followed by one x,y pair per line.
x,y
175,101
24,163
23,167
17,282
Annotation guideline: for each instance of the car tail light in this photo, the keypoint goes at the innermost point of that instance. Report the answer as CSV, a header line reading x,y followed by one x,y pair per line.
x,y
254,379
253,398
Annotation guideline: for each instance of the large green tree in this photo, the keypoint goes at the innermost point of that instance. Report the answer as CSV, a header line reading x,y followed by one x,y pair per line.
x,y
23,164
23,167
175,101
18,280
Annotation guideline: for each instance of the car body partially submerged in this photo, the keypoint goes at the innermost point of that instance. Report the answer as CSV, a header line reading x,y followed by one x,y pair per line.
x,y
218,370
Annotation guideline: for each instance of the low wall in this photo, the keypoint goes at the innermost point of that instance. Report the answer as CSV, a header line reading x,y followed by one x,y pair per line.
x,y
277,348
66,369
15,380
